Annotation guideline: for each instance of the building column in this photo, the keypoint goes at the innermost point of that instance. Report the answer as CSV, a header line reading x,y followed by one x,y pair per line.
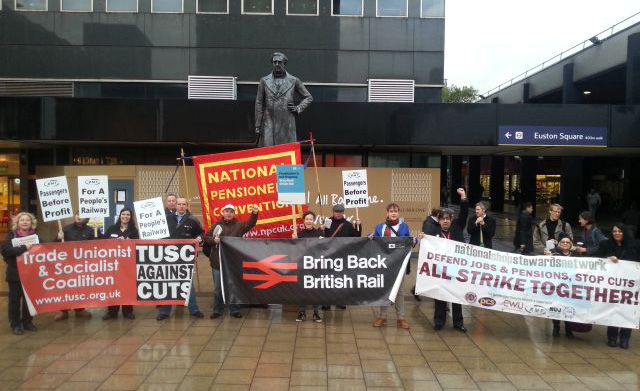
x,y
572,188
496,191
526,88
456,178
444,171
633,70
570,93
474,180
528,170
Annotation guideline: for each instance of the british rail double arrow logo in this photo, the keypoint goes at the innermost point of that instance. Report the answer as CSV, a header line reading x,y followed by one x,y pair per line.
x,y
268,267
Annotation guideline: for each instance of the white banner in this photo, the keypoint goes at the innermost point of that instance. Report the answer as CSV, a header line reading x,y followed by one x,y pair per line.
x,y
576,289
355,188
55,202
152,222
93,196
29,239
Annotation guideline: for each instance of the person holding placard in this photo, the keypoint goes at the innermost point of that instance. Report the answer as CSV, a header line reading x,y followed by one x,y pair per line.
x,y
227,226
309,231
76,231
124,228
392,227
182,225
21,237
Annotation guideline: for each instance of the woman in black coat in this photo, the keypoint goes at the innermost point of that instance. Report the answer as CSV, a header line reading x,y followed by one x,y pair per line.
x,y
24,224
523,239
621,246
124,228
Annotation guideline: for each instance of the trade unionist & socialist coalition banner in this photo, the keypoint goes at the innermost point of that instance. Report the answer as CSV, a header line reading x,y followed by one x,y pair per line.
x,y
576,289
100,273
342,271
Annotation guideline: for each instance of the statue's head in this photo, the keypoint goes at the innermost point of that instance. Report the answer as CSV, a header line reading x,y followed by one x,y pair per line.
x,y
279,62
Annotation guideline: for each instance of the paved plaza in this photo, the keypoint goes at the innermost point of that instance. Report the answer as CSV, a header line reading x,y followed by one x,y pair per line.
x,y
269,350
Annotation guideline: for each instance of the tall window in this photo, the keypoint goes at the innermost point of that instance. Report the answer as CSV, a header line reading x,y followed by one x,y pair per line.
x,y
392,8
76,5
122,5
347,7
259,7
432,9
302,7
212,6
167,6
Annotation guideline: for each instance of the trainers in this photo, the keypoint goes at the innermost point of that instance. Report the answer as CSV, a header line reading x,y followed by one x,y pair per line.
x,y
61,316
316,317
29,327
302,316
380,322
83,314
403,324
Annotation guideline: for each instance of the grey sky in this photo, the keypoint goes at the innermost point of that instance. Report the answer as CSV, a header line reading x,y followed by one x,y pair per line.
x,y
488,42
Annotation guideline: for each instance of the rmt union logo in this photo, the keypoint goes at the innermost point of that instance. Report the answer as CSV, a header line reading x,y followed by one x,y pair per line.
x,y
268,267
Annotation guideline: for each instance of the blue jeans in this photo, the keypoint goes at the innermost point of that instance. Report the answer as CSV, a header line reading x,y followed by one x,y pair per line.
x,y
303,308
192,305
218,302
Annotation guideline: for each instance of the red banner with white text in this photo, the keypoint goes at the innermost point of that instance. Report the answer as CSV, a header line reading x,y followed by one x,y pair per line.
x,y
244,178
100,273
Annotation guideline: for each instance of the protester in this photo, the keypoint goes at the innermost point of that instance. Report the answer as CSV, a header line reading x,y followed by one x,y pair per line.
x,y
523,239
74,232
309,231
23,224
430,226
339,227
170,204
621,246
591,235
392,227
593,202
565,248
481,227
517,196
451,229
182,225
549,231
124,228
229,226
631,217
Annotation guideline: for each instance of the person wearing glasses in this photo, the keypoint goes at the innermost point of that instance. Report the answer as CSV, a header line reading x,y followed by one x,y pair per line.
x,y
547,232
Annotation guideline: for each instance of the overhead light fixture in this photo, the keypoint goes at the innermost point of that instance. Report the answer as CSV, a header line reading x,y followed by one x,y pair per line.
x,y
586,92
595,40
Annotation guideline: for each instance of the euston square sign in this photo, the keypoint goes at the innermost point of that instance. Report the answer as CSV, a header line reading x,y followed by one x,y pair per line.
x,y
572,136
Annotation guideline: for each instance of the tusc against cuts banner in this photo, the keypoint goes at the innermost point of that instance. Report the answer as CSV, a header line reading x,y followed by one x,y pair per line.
x,y
576,289
100,273
343,271
55,202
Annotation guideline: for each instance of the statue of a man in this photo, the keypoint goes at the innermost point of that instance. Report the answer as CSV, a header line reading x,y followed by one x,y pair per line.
x,y
275,107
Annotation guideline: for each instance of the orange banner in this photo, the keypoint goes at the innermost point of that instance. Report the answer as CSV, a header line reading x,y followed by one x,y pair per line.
x,y
244,178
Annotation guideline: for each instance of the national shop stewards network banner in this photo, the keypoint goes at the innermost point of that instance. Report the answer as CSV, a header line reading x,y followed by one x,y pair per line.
x,y
100,273
576,289
342,271
244,178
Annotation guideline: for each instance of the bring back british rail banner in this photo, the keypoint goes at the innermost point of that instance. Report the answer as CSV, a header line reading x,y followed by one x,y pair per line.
x,y
575,289
244,178
341,271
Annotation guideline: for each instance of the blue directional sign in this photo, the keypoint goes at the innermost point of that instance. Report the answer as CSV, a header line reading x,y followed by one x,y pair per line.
x,y
574,136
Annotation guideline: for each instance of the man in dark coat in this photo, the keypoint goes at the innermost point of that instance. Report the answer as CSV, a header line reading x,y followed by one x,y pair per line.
x,y
275,108
481,222
453,230
523,239
182,225
227,226
430,226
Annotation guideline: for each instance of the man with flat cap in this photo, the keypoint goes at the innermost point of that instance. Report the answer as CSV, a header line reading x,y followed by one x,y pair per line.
x,y
276,110
228,225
